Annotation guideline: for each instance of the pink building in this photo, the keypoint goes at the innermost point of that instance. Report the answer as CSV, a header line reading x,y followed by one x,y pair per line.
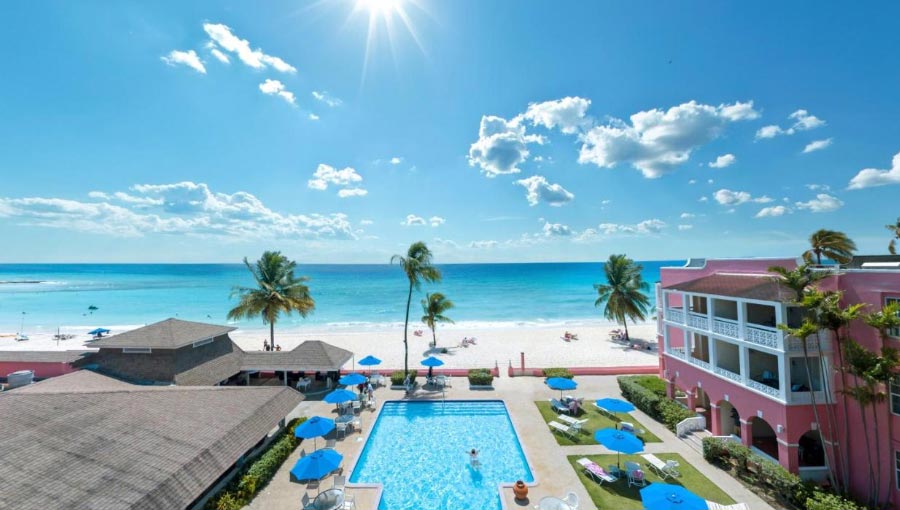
x,y
723,355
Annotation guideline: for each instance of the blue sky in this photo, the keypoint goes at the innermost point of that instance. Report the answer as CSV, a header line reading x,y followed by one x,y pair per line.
x,y
341,131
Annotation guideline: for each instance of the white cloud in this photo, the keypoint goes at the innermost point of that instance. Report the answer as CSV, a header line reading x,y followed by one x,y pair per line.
x,y
652,226
483,245
723,161
352,192
188,58
221,57
313,116
568,113
396,160
729,197
692,181
687,215
556,230
817,145
818,187
703,199
872,177
436,221
326,175
184,208
685,227
773,212
275,87
366,222
803,121
326,98
413,221
501,145
822,203
657,141
222,35
537,189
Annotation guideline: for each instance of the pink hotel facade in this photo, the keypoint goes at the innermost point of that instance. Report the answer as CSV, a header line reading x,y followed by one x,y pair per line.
x,y
722,355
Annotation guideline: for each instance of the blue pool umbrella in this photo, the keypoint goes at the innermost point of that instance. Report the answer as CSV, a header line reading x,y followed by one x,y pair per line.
x,y
561,384
340,396
314,427
352,379
98,332
615,405
664,496
431,361
369,361
619,441
317,464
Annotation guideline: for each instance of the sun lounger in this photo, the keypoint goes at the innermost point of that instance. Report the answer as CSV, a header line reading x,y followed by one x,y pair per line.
x,y
596,472
627,427
737,506
563,429
665,469
558,406
635,474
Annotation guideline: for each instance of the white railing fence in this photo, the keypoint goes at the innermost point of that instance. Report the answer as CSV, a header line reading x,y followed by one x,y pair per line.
x,y
690,424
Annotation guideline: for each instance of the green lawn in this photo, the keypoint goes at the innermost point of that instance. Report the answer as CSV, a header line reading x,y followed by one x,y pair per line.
x,y
620,496
596,421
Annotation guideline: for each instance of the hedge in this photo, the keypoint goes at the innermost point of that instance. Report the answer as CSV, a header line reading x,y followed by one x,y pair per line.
x,y
558,372
255,476
769,477
398,377
480,377
644,392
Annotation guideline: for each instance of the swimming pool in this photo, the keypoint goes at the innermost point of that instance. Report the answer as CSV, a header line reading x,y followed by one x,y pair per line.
x,y
419,452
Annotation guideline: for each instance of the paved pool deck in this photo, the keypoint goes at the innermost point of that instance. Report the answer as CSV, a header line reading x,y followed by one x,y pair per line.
x,y
554,474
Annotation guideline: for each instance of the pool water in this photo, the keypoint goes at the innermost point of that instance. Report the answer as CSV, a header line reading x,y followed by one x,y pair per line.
x,y
419,452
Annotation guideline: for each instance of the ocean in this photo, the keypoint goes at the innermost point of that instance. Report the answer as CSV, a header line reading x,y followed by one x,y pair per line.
x,y
51,296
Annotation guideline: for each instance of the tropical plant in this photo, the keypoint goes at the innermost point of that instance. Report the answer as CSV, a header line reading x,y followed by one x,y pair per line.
x,y
277,291
434,306
623,293
895,230
418,267
831,244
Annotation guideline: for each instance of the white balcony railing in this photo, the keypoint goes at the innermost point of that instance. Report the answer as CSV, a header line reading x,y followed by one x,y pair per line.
x,y
728,374
700,363
764,388
678,352
812,344
690,424
726,328
698,321
766,337
675,315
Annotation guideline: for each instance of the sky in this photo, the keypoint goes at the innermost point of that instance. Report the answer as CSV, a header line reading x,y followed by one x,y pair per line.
x,y
341,131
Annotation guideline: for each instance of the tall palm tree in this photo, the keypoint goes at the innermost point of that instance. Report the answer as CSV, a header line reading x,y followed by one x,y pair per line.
x,y
623,292
277,291
895,230
830,243
418,268
434,306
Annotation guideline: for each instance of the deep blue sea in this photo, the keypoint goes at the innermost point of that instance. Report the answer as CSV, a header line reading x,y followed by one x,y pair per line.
x,y
356,296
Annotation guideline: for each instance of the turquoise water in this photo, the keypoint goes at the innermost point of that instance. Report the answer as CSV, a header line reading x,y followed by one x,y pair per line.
x,y
346,295
419,451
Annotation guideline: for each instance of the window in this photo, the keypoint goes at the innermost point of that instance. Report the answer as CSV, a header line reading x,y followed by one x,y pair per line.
x,y
895,332
202,342
136,350
895,395
897,468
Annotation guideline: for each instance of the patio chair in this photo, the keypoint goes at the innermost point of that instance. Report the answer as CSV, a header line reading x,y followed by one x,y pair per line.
x,y
448,381
635,475
357,423
357,406
339,481
303,384
596,472
340,428
571,499
306,503
441,381
558,406
312,485
330,443
349,502
563,429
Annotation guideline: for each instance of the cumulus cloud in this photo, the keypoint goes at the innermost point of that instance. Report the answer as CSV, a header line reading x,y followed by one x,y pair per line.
x,y
325,97
772,212
366,222
723,161
352,192
222,36
501,145
188,58
413,221
729,197
436,221
872,177
687,215
313,116
537,189
652,226
803,121
275,87
568,113
396,160
186,208
221,57
822,203
556,230
817,145
483,245
657,141
327,174
685,227
818,187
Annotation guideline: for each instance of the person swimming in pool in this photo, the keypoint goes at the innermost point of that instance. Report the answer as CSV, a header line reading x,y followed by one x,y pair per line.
x,y
473,458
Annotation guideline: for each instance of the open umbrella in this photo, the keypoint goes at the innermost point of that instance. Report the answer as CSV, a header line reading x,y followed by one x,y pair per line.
x,y
352,379
339,396
561,384
314,427
619,441
369,361
664,496
615,405
431,362
317,464
98,332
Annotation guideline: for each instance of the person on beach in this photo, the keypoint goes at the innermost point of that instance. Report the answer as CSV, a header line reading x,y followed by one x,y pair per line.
x,y
278,347
265,345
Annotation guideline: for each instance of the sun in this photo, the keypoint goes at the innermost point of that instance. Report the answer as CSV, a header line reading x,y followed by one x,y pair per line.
x,y
384,8
384,15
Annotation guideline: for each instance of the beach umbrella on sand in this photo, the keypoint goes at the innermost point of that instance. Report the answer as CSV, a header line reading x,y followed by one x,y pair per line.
x,y
615,405
665,496
369,361
99,332
561,384
431,362
619,441
317,426
317,464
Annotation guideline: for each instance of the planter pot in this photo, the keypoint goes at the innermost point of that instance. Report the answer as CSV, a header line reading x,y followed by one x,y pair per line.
x,y
481,387
520,490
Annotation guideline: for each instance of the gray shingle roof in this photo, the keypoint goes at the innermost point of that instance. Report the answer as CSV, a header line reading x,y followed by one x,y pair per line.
x,y
746,286
167,334
310,356
84,440
42,356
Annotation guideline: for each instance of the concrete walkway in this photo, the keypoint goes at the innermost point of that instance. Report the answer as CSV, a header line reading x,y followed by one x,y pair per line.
x,y
554,475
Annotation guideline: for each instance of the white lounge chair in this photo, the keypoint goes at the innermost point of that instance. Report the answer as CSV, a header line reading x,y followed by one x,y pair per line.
x,y
566,430
628,427
571,499
575,422
596,472
665,469
737,506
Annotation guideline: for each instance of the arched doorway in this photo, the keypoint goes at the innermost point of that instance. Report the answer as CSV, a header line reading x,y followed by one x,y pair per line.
x,y
762,436
729,419
810,450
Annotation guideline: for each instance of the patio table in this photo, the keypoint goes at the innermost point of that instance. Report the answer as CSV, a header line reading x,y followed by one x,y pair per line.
x,y
332,499
551,503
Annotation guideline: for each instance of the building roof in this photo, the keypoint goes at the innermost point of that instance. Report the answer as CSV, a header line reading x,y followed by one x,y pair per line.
x,y
874,262
42,356
310,356
83,440
167,334
760,287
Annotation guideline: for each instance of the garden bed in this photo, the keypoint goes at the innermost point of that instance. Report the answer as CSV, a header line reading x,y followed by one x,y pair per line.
x,y
596,421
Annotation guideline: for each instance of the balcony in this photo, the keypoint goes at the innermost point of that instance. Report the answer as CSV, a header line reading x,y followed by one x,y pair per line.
x,y
675,315
726,328
678,352
764,388
698,321
765,337
700,363
728,374
812,344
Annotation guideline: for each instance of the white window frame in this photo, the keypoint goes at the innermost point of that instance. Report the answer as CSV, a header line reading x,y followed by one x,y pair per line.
x,y
895,384
895,333
136,350
200,343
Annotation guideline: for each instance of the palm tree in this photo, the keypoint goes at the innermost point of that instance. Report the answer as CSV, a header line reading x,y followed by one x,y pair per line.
x,y
277,290
623,292
895,230
434,306
418,268
830,243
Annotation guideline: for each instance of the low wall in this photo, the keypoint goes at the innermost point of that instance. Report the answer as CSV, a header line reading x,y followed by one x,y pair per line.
x,y
631,370
42,370
454,372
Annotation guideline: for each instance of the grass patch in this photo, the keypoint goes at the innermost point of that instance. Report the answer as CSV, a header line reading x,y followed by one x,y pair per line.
x,y
620,496
596,421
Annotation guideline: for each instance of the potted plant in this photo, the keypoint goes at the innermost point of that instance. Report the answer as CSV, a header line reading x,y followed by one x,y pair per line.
x,y
520,490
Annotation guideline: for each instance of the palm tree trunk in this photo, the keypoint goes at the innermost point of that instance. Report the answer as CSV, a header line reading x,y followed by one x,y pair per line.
x,y
405,333
812,398
845,461
272,334
625,323
818,258
434,335
824,374
877,480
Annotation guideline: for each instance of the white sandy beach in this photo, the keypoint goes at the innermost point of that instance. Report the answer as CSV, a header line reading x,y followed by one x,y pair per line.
x,y
543,345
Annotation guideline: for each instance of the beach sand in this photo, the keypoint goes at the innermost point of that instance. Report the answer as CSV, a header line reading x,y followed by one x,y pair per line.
x,y
543,345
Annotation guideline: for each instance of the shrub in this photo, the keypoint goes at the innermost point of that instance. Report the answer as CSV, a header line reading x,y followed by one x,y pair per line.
x,y
256,475
398,377
558,372
652,383
825,501
672,413
480,377
642,398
